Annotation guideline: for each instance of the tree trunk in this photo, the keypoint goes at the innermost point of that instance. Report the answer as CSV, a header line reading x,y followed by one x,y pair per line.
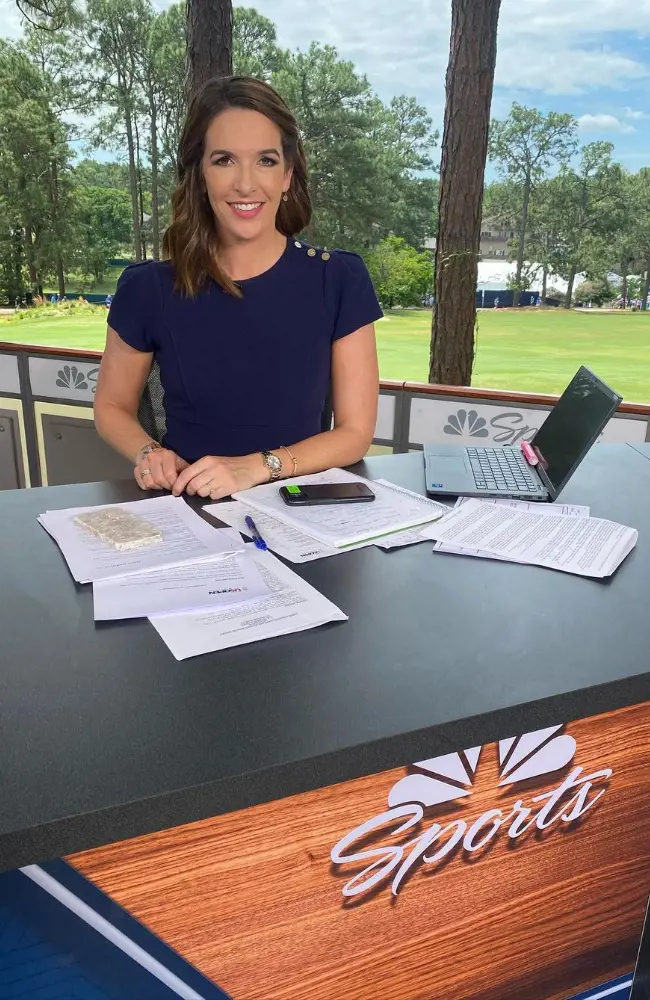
x,y
209,42
624,288
155,219
29,255
60,274
16,288
522,242
54,195
470,77
569,290
133,183
138,170
544,283
646,285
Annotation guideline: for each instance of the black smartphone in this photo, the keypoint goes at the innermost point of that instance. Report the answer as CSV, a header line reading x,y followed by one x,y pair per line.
x,y
306,496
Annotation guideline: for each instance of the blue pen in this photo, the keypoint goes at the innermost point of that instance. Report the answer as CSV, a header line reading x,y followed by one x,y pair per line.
x,y
257,538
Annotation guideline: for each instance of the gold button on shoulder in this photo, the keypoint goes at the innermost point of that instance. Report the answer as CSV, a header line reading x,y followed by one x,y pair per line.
x,y
311,252
298,244
326,255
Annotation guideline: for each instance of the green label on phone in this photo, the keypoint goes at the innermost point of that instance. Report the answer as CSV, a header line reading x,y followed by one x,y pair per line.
x,y
293,489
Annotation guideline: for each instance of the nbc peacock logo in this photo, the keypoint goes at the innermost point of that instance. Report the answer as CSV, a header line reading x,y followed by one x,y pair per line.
x,y
393,854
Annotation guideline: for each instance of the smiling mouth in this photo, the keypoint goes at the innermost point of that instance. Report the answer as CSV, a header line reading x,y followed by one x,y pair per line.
x,y
246,207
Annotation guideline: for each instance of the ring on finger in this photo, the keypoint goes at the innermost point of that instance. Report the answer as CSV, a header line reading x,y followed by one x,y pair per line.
x,y
145,472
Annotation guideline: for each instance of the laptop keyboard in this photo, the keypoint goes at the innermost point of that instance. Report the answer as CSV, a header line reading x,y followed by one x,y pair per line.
x,y
502,469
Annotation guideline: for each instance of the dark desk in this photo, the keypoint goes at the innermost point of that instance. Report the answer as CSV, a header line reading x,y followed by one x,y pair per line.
x,y
105,736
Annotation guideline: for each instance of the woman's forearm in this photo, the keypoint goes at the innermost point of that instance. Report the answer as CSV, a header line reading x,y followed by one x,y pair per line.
x,y
121,430
332,449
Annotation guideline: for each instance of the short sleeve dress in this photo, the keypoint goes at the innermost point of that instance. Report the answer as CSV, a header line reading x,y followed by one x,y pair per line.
x,y
249,374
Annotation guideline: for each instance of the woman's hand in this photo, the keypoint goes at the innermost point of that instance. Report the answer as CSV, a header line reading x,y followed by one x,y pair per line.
x,y
158,469
217,477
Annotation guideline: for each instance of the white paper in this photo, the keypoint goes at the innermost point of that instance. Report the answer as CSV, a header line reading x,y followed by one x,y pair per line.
x,y
292,606
413,535
565,509
186,537
588,546
287,541
341,525
209,584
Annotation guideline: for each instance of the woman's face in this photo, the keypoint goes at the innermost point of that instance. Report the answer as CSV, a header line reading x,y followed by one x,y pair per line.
x,y
245,173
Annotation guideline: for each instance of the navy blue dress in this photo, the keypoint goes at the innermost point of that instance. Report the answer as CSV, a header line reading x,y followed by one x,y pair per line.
x,y
249,374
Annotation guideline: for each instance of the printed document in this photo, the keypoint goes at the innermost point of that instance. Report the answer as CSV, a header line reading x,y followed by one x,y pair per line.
x,y
411,536
292,605
285,539
186,537
588,546
565,509
211,583
345,524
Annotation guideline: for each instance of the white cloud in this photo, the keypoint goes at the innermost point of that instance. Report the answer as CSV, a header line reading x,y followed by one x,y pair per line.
x,y
603,123
10,19
553,48
564,71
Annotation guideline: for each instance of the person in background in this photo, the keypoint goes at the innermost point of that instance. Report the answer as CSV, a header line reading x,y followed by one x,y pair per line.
x,y
109,300
249,324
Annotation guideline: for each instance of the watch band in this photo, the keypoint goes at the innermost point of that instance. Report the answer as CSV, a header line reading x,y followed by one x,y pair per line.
x,y
147,449
273,465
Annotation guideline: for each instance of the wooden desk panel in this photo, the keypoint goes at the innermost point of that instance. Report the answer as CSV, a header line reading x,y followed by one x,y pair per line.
x,y
252,899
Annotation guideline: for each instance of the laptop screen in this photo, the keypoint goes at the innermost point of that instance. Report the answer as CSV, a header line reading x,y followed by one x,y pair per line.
x,y
573,425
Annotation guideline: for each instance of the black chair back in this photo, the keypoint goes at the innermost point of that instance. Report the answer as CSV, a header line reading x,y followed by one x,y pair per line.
x,y
151,412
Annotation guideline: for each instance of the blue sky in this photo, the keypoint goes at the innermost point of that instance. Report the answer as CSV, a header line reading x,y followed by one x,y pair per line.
x,y
587,57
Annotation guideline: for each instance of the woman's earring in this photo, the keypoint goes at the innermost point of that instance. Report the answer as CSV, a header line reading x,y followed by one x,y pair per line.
x,y
285,196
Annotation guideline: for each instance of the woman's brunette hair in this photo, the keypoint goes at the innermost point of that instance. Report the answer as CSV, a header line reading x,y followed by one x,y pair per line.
x,y
192,239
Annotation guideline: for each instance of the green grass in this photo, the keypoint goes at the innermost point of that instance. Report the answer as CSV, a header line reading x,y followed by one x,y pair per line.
x,y
535,351
107,284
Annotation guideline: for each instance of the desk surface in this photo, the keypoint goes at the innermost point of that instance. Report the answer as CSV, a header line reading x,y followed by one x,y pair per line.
x,y
103,735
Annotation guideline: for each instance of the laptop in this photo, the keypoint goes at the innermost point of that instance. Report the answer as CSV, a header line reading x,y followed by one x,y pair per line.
x,y
536,470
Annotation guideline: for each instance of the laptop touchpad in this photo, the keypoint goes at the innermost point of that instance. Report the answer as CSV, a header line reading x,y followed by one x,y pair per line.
x,y
448,466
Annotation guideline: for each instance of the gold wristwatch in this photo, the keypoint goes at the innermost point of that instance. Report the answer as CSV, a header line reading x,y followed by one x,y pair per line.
x,y
273,465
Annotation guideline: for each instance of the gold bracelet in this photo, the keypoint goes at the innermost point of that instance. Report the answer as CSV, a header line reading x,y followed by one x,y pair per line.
x,y
292,457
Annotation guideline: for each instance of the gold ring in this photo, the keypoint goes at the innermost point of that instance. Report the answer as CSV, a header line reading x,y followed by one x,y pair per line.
x,y
145,472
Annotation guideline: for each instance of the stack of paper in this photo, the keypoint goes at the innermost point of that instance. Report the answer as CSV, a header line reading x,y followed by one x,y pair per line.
x,y
186,538
211,583
536,534
202,587
305,533
292,605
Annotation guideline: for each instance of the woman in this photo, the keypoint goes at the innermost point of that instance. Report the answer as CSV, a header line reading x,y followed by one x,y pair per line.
x,y
248,323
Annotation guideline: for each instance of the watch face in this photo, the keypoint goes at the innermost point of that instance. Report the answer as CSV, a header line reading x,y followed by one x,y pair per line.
x,y
274,462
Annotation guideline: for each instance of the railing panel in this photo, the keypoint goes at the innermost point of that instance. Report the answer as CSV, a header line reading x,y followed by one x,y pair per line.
x,y
63,378
459,420
9,377
46,397
13,459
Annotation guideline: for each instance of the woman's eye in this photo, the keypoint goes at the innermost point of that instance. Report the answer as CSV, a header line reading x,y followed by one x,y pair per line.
x,y
222,161
268,161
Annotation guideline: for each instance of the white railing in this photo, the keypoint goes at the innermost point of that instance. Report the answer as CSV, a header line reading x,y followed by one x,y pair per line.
x,y
47,435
